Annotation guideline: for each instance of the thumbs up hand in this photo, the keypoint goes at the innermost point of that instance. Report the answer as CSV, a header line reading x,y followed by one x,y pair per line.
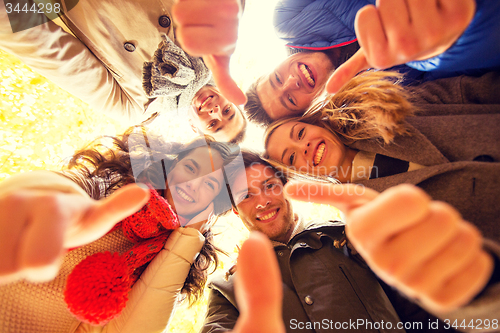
x,y
209,29
395,32
258,288
36,226
420,246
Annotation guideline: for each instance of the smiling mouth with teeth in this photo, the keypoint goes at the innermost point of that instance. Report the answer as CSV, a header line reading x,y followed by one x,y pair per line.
x,y
268,216
307,74
319,153
205,102
183,195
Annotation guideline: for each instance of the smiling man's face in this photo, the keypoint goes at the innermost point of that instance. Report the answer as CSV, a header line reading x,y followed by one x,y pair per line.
x,y
261,203
214,115
293,85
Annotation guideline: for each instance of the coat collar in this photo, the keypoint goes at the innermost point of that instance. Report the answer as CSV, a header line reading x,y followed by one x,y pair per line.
x,y
413,147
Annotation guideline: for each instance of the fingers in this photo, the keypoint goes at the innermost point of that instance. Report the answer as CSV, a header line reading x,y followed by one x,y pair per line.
x,y
395,32
414,245
258,288
347,71
448,261
219,66
345,197
421,247
207,27
393,211
33,224
101,217
463,286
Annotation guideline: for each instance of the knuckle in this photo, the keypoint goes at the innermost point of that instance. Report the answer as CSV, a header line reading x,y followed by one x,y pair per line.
x,y
445,213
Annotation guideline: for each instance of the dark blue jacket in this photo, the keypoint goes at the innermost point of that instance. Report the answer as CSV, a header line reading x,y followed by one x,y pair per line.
x,y
323,24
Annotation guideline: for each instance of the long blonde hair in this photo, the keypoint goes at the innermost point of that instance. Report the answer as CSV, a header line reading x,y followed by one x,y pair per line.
x,y
370,106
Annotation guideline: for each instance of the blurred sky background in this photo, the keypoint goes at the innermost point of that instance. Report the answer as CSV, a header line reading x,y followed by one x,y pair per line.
x,y
41,126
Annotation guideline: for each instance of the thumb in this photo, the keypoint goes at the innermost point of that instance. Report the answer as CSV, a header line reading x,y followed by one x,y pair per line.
x,y
258,288
219,66
343,196
104,214
347,71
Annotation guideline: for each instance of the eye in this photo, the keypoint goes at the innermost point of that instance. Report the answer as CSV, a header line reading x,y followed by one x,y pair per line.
x,y
189,167
301,133
226,110
277,78
244,197
270,186
290,99
291,159
211,185
212,124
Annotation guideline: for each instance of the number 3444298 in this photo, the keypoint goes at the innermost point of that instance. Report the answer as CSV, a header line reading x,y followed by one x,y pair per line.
x,y
38,8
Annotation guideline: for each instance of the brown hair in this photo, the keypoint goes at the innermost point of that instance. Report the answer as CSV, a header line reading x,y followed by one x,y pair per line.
x,y
100,170
238,138
253,107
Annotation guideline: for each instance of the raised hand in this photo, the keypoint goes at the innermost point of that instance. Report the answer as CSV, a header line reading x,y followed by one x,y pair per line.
x,y
396,32
420,246
209,29
36,226
258,288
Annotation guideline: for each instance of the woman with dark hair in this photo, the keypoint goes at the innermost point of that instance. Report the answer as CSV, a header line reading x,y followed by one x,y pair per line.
x,y
441,136
162,249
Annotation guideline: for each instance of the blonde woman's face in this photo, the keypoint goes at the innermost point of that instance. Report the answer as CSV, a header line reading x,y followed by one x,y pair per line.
x,y
195,181
306,148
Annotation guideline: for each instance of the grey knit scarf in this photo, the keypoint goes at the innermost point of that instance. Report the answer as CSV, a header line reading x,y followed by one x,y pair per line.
x,y
175,76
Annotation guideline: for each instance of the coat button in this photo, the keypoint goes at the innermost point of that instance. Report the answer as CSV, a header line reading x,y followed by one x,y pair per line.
x,y
164,21
309,300
129,47
280,253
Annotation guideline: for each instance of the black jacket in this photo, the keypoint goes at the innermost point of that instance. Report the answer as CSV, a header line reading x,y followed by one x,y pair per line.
x,y
325,283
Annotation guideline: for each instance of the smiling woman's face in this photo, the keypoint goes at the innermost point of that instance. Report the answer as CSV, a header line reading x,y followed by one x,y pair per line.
x,y
193,184
306,148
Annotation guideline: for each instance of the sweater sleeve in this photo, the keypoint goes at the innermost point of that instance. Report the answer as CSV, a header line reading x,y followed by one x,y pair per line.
x,y
152,298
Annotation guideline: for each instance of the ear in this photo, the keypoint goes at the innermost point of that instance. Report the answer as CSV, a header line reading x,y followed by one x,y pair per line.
x,y
236,212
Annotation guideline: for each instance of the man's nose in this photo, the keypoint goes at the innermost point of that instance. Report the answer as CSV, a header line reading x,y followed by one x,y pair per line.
x,y
291,83
215,112
263,201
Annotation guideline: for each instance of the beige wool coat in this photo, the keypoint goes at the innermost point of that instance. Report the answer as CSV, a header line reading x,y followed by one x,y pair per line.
x,y
96,51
